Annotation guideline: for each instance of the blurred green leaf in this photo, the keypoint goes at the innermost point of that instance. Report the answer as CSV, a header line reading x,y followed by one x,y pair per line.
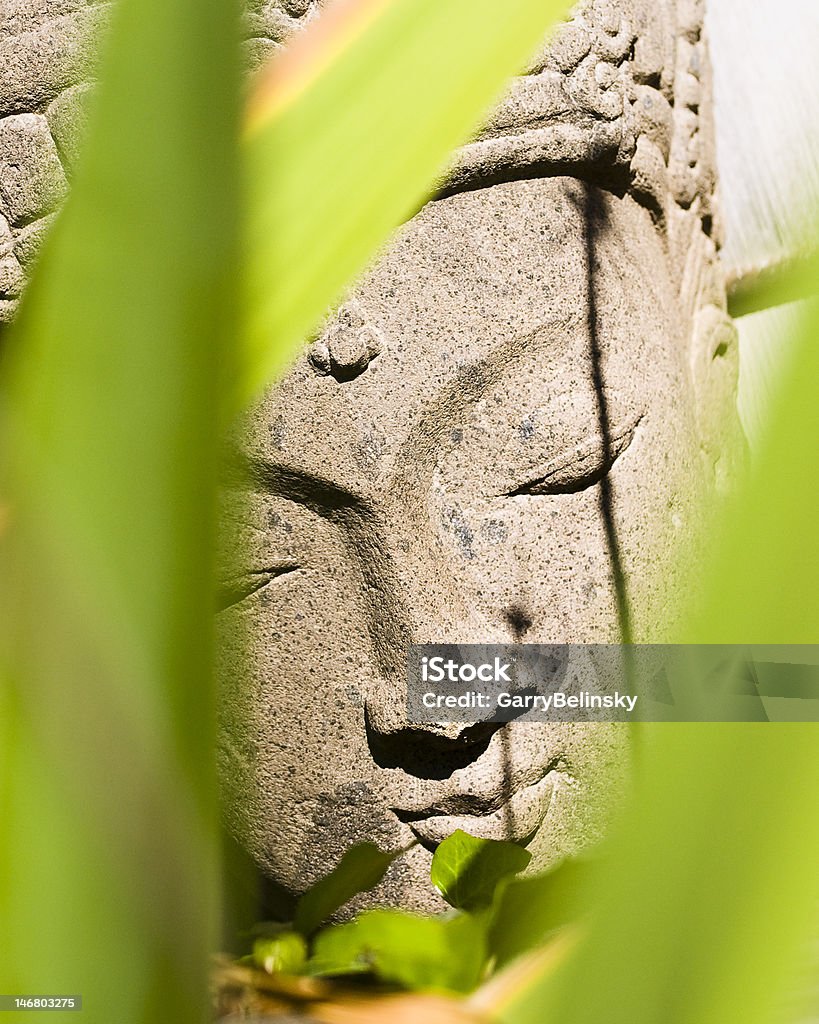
x,y
775,284
361,868
444,953
346,138
110,383
704,907
528,910
283,953
764,578
707,903
467,871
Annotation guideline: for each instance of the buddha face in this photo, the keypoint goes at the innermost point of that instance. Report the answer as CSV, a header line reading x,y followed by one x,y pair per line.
x,y
507,433
496,439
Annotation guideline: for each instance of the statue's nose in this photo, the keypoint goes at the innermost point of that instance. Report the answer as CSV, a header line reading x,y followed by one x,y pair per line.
x,y
426,751
413,598
416,606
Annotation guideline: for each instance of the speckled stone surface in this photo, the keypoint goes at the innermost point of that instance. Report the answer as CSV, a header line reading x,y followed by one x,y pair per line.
x,y
504,434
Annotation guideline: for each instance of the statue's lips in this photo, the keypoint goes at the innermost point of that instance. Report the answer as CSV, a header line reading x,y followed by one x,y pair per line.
x,y
516,819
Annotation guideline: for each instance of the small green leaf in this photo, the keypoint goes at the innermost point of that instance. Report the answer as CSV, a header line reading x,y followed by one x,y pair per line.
x,y
361,868
444,953
528,910
466,871
284,953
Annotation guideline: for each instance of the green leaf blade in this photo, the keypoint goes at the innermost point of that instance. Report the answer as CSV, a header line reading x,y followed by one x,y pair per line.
x,y
112,380
442,953
359,870
282,953
325,192
467,871
528,911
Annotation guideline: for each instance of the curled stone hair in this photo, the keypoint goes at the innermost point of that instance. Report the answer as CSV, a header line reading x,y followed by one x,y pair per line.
x,y
621,96
620,93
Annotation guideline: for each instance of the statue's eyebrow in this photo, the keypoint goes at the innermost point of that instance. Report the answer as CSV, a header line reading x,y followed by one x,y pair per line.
x,y
315,492
417,453
474,381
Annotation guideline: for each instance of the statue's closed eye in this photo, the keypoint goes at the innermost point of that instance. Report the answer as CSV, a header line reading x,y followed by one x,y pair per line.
x,y
231,591
587,464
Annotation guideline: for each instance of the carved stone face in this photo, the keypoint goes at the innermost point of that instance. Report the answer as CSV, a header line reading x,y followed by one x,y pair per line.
x,y
451,480
507,433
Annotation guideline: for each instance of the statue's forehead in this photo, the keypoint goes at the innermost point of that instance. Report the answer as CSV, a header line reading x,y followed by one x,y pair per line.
x,y
470,276
480,307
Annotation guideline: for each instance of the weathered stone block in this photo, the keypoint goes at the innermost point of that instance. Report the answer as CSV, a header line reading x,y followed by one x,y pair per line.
x,y
36,65
68,119
32,181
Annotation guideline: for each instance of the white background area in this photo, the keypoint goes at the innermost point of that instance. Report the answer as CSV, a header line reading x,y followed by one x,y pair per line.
x,y
765,55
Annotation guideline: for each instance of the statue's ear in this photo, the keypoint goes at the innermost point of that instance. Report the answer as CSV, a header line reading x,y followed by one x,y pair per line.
x,y
715,370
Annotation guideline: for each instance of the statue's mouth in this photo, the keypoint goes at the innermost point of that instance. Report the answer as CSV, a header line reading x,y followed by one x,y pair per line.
x,y
514,817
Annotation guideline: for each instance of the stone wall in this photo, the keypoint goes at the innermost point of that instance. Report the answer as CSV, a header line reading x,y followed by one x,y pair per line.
x,y
48,54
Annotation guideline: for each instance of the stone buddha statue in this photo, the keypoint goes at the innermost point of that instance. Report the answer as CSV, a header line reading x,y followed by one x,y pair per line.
x,y
506,433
